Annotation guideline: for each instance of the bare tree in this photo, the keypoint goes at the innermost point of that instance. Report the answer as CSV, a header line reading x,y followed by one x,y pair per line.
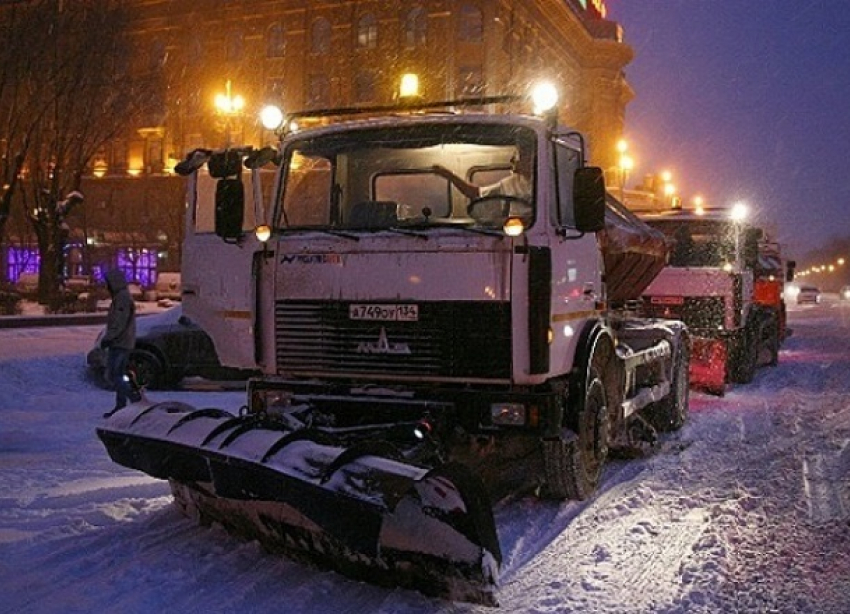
x,y
75,92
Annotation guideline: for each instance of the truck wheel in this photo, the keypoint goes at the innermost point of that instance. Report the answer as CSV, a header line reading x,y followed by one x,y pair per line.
x,y
573,465
769,347
671,412
745,357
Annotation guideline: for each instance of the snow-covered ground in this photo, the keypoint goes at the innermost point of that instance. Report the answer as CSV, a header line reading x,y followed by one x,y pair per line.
x,y
744,510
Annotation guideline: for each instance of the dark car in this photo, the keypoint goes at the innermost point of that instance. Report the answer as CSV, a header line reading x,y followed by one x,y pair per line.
x,y
169,348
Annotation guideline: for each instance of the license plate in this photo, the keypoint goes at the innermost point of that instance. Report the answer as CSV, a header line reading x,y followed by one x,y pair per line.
x,y
384,313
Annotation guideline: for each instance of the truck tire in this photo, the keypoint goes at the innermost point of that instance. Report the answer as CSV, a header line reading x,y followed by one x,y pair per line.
x,y
745,356
573,464
671,412
769,347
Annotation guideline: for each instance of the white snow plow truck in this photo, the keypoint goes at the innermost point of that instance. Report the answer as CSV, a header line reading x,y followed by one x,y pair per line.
x,y
427,346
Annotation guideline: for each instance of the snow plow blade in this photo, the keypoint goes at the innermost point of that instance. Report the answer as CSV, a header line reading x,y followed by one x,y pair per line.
x,y
708,365
360,510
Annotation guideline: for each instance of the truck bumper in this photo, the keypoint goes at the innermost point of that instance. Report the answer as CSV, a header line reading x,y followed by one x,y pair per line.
x,y
708,365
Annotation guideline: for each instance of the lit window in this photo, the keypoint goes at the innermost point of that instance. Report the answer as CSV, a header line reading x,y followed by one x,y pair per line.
x,y
367,32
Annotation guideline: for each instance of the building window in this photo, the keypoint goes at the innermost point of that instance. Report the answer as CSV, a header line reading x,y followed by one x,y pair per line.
x,y
234,47
157,56
415,28
470,81
320,36
364,86
275,42
470,24
138,265
367,32
318,91
196,51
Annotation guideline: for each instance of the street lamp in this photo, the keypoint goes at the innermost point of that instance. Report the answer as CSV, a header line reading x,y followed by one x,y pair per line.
x,y
698,205
625,165
229,106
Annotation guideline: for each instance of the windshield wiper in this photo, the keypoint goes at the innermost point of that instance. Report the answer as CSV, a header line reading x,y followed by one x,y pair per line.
x,y
407,231
329,231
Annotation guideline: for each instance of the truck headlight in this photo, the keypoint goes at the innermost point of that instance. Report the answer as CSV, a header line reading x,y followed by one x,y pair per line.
x,y
508,414
513,227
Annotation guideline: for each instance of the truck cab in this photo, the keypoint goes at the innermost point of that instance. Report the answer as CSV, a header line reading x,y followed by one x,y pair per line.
x,y
378,279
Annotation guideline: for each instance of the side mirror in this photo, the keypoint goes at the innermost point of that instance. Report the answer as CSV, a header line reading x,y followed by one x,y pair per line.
x,y
589,199
229,208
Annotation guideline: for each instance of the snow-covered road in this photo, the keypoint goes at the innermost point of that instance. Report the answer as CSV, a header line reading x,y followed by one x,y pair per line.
x,y
747,509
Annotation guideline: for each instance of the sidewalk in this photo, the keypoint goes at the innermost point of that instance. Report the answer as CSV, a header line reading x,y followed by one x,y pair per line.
x,y
33,315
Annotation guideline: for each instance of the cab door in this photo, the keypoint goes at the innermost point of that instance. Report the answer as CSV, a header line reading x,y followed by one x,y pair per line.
x,y
219,288
577,283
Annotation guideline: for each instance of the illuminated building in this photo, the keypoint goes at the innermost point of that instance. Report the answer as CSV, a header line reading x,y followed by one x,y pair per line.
x,y
304,54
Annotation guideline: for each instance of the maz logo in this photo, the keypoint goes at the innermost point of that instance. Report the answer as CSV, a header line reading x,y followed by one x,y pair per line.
x,y
382,346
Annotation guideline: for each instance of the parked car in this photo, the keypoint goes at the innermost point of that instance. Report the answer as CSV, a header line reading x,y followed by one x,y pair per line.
x,y
808,294
169,348
844,293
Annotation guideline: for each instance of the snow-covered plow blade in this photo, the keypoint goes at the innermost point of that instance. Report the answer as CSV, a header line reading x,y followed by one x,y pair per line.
x,y
708,365
361,510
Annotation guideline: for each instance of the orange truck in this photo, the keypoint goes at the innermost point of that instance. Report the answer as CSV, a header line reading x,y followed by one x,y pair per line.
x,y
724,281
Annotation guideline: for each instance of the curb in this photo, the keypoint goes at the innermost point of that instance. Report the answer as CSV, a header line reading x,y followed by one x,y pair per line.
x,y
70,319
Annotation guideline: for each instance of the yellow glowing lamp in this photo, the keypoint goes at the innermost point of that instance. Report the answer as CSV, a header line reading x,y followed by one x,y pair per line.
x,y
271,117
409,86
263,232
513,227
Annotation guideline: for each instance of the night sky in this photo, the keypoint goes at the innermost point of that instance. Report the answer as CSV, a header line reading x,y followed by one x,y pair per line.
x,y
746,100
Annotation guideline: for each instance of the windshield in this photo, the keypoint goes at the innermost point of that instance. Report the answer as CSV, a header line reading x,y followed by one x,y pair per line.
x,y
704,243
427,174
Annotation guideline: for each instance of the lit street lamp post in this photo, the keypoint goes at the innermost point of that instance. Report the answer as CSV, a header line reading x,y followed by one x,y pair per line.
x,y
624,167
229,106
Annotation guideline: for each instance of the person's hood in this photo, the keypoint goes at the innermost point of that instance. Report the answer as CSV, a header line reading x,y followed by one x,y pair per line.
x,y
115,280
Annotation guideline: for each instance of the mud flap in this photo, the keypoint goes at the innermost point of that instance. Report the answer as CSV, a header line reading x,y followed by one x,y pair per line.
x,y
708,365
370,517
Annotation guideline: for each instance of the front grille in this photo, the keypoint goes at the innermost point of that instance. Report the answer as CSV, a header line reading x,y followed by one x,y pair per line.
x,y
698,312
449,340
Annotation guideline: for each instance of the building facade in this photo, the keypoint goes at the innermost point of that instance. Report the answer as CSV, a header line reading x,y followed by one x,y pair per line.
x,y
311,54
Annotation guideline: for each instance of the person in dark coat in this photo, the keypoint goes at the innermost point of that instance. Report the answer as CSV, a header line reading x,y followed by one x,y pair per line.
x,y
119,338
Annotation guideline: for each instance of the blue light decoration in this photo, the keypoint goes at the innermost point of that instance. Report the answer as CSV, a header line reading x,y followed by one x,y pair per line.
x,y
20,260
138,265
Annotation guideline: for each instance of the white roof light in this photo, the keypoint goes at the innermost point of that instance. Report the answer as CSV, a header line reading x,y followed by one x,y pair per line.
x,y
271,117
544,95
